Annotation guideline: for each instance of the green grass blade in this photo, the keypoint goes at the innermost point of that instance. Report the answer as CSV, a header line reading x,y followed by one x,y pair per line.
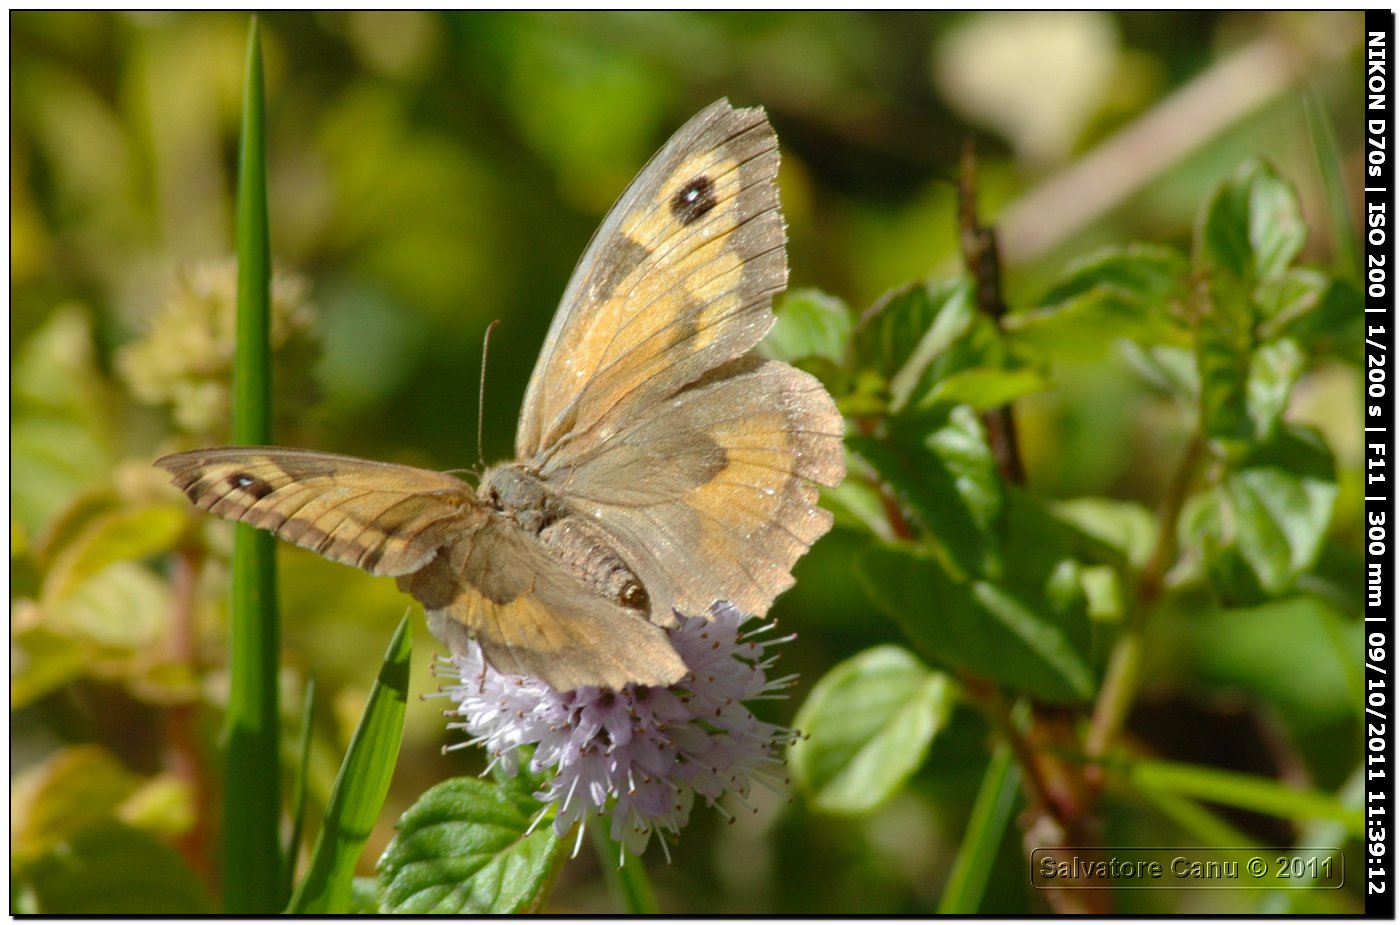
x,y
360,788
1203,826
1347,259
252,805
1243,791
289,862
972,868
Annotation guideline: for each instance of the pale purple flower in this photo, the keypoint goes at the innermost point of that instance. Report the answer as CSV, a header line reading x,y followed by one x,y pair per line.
x,y
640,754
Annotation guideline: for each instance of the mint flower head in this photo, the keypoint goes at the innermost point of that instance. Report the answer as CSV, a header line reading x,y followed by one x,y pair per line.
x,y
641,754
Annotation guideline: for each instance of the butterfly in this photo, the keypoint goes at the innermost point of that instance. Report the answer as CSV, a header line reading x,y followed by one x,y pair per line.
x,y
660,465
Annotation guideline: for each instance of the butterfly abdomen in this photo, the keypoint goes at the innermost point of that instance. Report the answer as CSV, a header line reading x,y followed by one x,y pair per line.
x,y
583,548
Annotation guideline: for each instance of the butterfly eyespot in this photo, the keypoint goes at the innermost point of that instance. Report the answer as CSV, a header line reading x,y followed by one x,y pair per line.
x,y
242,481
694,199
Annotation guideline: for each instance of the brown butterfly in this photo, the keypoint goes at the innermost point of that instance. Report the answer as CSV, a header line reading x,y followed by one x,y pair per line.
x,y
659,466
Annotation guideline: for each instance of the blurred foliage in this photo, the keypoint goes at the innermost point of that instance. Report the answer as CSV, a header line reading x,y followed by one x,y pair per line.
x,y
431,172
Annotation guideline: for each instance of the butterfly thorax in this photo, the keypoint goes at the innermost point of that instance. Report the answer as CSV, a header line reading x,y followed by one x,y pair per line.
x,y
580,545
521,495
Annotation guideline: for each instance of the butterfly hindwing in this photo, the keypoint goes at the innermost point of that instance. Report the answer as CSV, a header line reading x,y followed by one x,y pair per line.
x,y
532,617
710,491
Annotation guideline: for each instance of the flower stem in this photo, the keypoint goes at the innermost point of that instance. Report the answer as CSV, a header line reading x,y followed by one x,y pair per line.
x,y
252,801
1121,680
627,883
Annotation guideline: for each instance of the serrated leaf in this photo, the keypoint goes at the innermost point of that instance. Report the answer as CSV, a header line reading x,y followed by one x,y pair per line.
x,y
1280,499
944,474
903,335
867,726
1295,652
978,626
858,505
983,388
1113,294
1274,369
462,848
113,869
1125,527
75,789
1043,570
1252,228
1223,348
809,323
41,661
1170,369
1320,312
124,606
360,787
125,533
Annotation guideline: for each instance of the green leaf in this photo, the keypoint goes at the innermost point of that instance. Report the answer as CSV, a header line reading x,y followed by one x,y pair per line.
x,y
42,661
1322,313
114,869
1116,293
360,787
1277,231
1125,527
903,335
867,726
75,789
1170,369
810,324
125,533
1043,568
978,626
858,505
1252,228
125,605
1273,371
1295,652
1224,343
944,474
462,849
61,430
1280,497
983,388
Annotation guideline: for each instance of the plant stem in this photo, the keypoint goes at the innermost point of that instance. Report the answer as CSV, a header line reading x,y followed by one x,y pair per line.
x,y
627,883
182,750
252,799
1121,681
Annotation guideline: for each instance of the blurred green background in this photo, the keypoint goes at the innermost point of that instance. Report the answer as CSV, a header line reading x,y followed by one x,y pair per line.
x,y
431,172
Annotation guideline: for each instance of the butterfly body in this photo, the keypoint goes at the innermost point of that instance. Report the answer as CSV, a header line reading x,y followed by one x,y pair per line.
x,y
659,466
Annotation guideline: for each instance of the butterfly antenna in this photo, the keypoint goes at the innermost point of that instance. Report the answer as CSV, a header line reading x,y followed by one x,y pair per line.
x,y
481,395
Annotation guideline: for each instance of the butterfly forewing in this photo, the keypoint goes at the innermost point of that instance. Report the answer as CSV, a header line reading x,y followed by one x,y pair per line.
x,y
678,280
383,518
